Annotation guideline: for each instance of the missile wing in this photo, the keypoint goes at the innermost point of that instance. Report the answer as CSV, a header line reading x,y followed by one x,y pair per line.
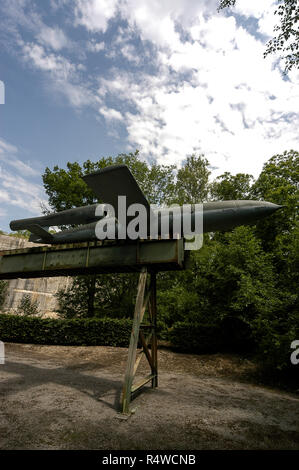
x,y
114,181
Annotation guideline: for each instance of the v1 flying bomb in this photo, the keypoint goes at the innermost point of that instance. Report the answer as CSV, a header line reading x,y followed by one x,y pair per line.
x,y
115,183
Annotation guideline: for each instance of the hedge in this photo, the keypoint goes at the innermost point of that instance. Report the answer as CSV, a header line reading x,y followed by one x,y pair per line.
x,y
78,332
184,336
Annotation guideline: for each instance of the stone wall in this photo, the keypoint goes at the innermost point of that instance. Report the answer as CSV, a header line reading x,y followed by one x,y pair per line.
x,y
40,289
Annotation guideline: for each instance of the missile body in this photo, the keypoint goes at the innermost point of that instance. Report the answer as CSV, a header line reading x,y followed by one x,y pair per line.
x,y
77,215
215,216
225,215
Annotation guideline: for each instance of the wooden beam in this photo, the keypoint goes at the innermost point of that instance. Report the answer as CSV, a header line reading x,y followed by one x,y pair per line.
x,y
153,309
142,382
138,315
137,362
144,299
145,349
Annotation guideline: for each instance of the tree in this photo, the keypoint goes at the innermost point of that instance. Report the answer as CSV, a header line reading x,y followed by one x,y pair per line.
x,y
242,282
279,183
279,235
193,180
3,291
287,39
114,296
27,306
66,189
228,187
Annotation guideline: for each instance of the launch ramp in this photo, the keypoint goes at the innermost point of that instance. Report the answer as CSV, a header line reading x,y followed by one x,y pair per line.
x,y
144,256
92,258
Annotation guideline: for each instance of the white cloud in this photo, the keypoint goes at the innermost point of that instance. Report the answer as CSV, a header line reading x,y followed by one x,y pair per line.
x,y
261,11
110,114
129,52
225,109
157,21
20,192
94,46
8,155
63,74
254,8
208,90
23,14
17,186
232,105
95,14
53,37
3,212
6,147
48,62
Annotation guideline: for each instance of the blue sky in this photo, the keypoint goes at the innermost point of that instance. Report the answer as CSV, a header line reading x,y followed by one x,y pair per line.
x,y
92,78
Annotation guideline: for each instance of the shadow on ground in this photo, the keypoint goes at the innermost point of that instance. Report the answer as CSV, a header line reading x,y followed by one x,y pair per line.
x,y
68,398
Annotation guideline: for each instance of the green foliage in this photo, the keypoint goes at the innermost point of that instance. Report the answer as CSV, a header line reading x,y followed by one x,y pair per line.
x,y
287,39
229,187
3,291
114,295
201,338
246,279
230,276
79,332
279,183
226,4
20,234
94,295
279,179
66,189
240,290
195,337
192,180
27,306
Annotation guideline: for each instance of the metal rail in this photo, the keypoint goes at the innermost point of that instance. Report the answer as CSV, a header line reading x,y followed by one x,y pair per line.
x,y
92,258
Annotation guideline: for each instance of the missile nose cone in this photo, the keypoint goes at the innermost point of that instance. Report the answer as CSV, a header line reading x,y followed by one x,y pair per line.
x,y
265,208
274,207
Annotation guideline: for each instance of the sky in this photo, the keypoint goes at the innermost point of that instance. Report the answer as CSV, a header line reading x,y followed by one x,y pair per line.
x,y
83,79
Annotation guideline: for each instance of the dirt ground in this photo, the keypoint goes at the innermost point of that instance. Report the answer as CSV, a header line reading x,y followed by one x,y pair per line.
x,y
58,397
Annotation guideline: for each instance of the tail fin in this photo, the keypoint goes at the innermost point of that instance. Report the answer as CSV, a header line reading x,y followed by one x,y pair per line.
x,y
40,233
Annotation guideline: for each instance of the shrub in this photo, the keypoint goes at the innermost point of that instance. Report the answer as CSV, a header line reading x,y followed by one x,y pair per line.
x,y
3,291
78,332
27,306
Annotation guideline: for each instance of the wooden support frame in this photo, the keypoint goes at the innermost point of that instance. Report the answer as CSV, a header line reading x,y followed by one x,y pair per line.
x,y
146,298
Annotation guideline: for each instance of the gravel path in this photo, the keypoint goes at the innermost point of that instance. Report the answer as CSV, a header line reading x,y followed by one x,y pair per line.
x,y
58,397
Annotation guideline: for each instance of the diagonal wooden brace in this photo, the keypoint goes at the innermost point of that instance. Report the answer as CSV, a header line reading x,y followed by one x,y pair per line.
x,y
142,301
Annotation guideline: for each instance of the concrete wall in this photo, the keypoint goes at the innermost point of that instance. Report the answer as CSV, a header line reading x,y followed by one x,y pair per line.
x,y
40,289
